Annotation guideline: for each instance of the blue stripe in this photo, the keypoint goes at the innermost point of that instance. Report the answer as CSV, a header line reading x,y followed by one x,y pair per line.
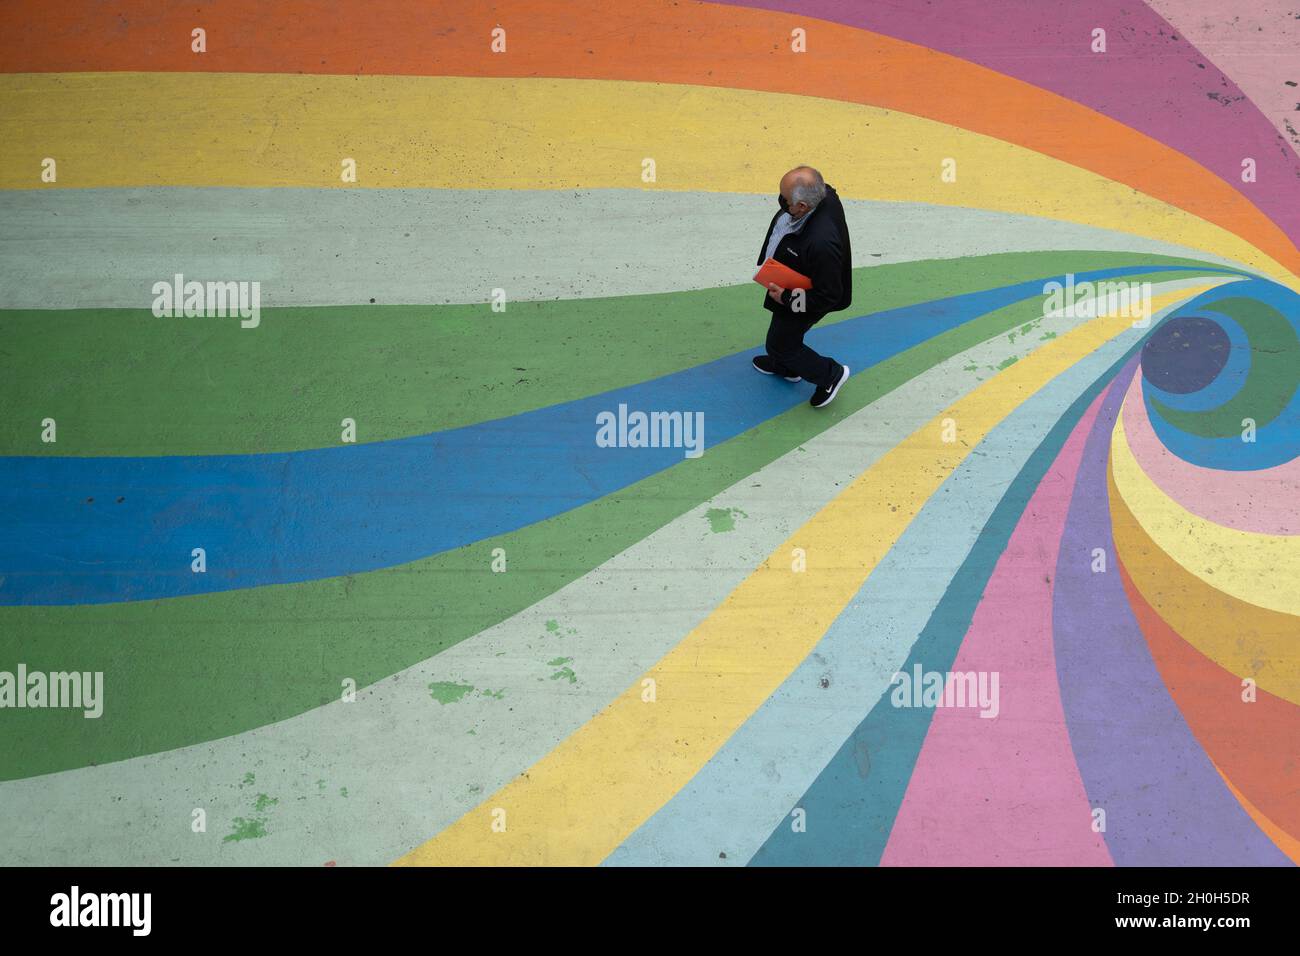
x,y
299,516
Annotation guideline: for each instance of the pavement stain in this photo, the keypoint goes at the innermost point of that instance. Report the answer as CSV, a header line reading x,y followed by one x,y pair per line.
x,y
723,519
565,672
448,692
451,692
245,830
264,803
251,827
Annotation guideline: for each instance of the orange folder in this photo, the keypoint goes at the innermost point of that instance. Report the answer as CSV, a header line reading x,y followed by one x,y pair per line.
x,y
782,275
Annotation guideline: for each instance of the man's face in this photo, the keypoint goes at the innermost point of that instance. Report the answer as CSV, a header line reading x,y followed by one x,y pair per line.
x,y
796,210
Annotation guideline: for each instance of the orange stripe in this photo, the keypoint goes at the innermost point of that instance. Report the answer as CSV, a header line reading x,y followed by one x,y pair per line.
x,y
648,40
1285,842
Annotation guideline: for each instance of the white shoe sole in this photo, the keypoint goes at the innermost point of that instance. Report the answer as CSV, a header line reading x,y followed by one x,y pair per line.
x,y
797,378
836,390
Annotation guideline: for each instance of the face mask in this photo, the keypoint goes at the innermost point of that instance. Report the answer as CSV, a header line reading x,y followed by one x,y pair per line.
x,y
785,206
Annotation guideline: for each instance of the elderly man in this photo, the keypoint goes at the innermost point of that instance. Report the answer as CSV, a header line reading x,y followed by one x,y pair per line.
x,y
810,236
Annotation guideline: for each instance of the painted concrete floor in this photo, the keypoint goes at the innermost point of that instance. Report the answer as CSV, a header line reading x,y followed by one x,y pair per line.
x,y
333,351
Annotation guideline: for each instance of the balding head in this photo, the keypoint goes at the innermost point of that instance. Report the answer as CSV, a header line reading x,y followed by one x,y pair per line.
x,y
802,188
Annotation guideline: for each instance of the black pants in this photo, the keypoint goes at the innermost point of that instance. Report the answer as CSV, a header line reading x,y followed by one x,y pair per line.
x,y
792,357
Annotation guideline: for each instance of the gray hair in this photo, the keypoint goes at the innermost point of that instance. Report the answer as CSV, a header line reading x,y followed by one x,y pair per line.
x,y
811,192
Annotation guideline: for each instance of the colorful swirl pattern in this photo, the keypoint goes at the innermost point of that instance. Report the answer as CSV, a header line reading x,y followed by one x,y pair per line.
x,y
476,635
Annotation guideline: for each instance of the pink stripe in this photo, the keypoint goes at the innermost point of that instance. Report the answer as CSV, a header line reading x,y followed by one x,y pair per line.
x,y
1262,501
1006,791
1258,48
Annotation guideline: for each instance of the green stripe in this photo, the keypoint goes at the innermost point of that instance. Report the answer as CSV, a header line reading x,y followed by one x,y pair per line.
x,y
122,382
186,670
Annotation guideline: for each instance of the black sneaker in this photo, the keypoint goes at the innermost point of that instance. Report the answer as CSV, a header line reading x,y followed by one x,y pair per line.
x,y
765,365
824,396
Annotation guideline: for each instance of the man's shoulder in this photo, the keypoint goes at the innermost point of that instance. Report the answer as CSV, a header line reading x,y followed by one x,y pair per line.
x,y
824,231
833,199
829,224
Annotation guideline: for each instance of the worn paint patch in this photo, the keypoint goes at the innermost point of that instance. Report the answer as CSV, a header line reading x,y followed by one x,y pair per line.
x,y
565,672
250,829
1023,330
448,692
723,519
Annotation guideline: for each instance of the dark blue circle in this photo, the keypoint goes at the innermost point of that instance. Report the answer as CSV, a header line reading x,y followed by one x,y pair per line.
x,y
1185,354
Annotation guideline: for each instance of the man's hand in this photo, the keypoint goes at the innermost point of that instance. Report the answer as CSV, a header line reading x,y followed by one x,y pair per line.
x,y
775,291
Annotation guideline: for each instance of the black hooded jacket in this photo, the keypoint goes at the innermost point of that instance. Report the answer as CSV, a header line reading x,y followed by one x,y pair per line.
x,y
821,252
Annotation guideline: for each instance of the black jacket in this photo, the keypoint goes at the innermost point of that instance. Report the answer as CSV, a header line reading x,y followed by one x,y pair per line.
x,y
821,252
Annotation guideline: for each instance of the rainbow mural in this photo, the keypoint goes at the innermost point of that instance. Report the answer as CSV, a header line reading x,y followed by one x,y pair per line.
x,y
345,579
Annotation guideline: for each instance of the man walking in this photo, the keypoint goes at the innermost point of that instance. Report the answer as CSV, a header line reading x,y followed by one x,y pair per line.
x,y
810,236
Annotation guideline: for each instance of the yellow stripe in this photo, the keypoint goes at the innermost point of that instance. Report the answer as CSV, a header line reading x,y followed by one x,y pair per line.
x,y
1259,569
210,129
576,804
1243,638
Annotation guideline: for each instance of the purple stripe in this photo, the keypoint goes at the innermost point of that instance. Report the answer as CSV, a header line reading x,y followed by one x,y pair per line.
x,y
1149,79
1165,803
